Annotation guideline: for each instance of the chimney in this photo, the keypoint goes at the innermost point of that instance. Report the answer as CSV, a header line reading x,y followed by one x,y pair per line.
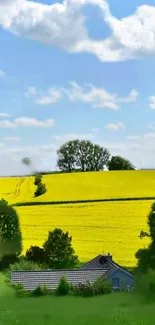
x,y
109,257
105,258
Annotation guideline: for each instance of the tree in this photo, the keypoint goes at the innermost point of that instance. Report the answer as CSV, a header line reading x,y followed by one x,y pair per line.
x,y
36,254
146,256
82,155
67,156
26,161
10,233
59,250
120,163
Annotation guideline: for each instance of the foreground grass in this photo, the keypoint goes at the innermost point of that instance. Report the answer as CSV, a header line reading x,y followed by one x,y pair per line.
x,y
113,309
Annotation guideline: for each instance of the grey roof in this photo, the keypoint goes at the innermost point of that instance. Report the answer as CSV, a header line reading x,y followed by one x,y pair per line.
x,y
109,265
31,279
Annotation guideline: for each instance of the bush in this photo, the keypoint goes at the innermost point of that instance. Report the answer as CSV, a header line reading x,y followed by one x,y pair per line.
x,y
41,291
63,287
7,260
84,290
100,287
38,179
41,189
20,290
36,254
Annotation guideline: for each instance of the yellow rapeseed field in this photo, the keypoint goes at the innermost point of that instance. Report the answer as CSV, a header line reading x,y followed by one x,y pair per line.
x,y
80,186
96,228
98,185
16,189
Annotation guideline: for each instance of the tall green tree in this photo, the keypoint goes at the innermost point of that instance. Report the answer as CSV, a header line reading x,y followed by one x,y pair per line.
x,y
146,256
59,250
10,232
120,163
82,155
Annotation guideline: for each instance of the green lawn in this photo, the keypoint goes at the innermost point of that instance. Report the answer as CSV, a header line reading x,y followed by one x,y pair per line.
x,y
113,309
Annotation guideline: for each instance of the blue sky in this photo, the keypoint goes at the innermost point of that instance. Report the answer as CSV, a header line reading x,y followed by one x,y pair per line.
x,y
76,69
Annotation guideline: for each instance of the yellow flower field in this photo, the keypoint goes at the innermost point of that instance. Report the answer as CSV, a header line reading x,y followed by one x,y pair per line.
x,y
98,185
80,186
96,228
16,189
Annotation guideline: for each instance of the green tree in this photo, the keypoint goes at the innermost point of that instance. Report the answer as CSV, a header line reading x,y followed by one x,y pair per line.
x,y
82,155
67,156
120,163
146,256
59,250
10,232
36,254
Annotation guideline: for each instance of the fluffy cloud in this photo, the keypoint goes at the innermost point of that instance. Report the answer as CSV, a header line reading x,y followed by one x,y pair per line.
x,y
152,102
62,25
2,73
4,115
12,139
115,126
26,122
53,97
98,97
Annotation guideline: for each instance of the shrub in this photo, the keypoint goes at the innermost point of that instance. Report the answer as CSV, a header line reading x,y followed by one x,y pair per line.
x,y
38,179
7,260
100,287
63,287
20,290
84,290
36,254
41,290
41,189
22,266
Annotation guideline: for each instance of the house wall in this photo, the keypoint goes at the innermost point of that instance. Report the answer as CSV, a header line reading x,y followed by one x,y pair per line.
x,y
124,280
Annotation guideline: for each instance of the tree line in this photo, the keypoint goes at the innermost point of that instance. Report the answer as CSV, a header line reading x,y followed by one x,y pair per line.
x,y
83,155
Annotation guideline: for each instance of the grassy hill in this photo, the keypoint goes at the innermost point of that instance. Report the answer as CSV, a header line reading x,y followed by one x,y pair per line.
x,y
95,227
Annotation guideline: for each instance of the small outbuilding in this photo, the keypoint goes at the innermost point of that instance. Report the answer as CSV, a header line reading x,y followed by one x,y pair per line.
x,y
102,265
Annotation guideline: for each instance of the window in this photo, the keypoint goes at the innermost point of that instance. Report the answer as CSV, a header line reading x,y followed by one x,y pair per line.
x,y
115,282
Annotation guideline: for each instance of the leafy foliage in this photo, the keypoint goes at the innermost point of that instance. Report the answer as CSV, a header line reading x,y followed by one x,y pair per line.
x,y
146,256
84,290
59,250
36,254
38,179
10,232
63,287
100,287
41,291
120,163
7,260
82,155
41,189
20,290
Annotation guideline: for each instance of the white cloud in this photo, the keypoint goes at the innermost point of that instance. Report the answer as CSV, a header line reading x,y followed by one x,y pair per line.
x,y
98,97
2,73
53,97
73,136
152,102
12,139
4,115
115,126
32,91
62,25
26,122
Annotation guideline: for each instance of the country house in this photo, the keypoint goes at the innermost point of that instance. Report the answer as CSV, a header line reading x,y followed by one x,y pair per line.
x,y
102,265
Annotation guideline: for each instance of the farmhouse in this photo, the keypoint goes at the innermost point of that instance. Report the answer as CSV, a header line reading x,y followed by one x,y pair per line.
x,y
102,265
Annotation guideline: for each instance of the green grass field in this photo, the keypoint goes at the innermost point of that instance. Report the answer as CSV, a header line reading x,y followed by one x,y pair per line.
x,y
113,309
